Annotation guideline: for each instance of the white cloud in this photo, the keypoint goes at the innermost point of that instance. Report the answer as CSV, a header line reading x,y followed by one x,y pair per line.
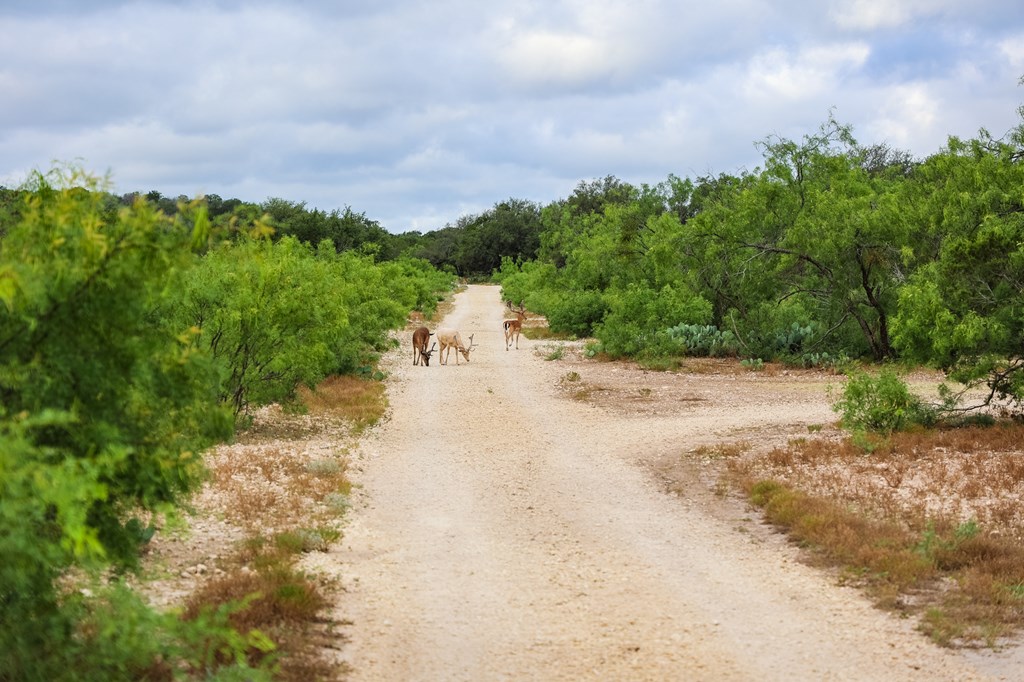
x,y
780,73
907,116
412,112
556,59
1013,50
869,15
576,43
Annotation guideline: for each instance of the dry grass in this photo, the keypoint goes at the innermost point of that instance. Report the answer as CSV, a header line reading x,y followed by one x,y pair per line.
x,y
282,488
721,450
930,521
361,402
274,485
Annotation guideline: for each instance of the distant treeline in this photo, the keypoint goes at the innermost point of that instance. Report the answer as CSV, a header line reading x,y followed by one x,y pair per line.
x,y
471,248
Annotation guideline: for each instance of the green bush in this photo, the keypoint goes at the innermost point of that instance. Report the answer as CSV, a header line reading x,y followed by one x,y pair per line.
x,y
881,404
93,384
576,313
419,283
638,313
107,632
105,407
278,315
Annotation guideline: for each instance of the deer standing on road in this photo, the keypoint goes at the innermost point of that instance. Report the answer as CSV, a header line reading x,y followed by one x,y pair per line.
x,y
514,327
420,338
450,338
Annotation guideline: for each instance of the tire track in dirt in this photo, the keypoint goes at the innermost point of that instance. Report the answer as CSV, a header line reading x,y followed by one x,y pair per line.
x,y
501,532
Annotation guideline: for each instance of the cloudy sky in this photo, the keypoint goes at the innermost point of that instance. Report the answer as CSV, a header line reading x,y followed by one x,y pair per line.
x,y
416,113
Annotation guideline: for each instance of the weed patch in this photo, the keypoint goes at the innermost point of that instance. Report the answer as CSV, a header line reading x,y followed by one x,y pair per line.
x,y
555,352
928,521
722,450
274,607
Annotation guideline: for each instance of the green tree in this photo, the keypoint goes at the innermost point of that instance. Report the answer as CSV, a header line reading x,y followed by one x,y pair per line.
x,y
78,337
104,407
346,229
828,230
963,310
279,315
565,221
511,229
737,283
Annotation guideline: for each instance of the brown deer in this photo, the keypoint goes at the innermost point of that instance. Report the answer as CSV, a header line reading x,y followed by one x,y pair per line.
x,y
514,327
450,338
420,338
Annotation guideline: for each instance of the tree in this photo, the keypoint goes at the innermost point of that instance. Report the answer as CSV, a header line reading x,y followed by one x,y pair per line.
x,y
829,230
593,196
510,229
439,247
564,222
964,309
103,406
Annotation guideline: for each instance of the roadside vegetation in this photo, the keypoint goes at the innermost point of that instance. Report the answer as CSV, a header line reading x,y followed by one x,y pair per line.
x,y
915,502
131,341
832,252
283,490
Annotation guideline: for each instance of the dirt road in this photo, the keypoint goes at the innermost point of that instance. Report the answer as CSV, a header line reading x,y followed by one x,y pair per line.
x,y
502,531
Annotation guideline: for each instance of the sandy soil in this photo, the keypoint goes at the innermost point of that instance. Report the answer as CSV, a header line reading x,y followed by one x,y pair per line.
x,y
503,530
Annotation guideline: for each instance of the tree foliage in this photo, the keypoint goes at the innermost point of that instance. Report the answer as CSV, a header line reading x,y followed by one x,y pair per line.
x,y
278,315
345,229
823,230
105,409
475,246
963,309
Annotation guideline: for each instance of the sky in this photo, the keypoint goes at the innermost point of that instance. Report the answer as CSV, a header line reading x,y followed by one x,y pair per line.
x,y
417,113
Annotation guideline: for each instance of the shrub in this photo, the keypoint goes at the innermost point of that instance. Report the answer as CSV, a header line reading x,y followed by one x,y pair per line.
x,y
881,404
278,316
576,312
638,313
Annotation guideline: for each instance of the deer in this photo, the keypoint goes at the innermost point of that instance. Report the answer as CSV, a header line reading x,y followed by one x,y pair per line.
x,y
514,327
420,337
450,338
